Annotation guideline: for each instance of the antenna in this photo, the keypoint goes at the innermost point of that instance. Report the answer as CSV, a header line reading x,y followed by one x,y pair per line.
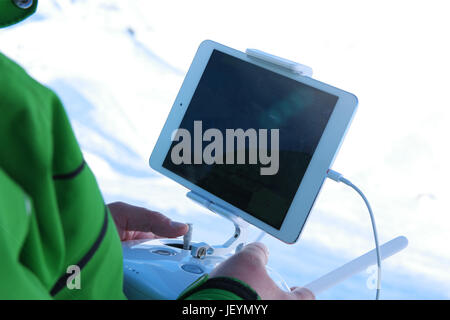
x,y
357,265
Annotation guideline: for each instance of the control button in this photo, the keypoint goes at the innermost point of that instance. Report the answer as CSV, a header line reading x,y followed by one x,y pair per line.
x,y
23,4
164,252
192,268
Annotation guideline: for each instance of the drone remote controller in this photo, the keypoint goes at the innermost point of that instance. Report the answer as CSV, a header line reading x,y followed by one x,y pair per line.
x,y
164,268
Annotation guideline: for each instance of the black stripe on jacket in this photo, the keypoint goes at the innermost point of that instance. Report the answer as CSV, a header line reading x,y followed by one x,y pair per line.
x,y
72,174
62,281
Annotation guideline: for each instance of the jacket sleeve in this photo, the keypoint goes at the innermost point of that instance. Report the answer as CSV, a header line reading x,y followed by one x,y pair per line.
x,y
220,288
16,280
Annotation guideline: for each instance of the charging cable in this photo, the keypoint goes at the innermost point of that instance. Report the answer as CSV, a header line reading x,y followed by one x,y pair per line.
x,y
336,176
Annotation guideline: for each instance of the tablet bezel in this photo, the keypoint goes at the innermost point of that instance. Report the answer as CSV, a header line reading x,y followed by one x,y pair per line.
x,y
316,172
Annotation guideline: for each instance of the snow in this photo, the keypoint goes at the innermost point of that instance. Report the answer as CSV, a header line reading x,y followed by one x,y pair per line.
x,y
118,65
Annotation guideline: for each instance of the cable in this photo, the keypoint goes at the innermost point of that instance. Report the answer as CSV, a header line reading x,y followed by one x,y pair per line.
x,y
336,176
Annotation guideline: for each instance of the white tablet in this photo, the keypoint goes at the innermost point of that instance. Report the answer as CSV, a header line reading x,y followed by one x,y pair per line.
x,y
253,138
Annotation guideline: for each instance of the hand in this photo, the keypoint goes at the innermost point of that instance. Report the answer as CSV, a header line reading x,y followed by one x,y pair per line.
x,y
248,265
135,223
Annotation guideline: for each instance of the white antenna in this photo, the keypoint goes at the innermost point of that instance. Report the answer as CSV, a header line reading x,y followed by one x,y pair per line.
x,y
357,265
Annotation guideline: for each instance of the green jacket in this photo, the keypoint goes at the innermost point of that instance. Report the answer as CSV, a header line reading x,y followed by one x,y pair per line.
x,y
52,214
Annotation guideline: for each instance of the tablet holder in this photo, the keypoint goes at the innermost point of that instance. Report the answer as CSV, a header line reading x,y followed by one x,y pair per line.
x,y
278,62
233,244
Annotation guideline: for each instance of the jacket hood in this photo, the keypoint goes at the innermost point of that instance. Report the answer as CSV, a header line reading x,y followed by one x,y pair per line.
x,y
14,11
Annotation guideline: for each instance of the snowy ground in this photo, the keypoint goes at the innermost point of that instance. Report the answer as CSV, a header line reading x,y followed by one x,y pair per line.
x,y
118,65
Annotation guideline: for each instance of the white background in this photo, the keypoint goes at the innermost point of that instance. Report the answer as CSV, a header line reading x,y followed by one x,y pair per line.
x,y
118,65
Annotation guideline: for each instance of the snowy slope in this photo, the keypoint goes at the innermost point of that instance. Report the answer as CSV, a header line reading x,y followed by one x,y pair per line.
x,y
118,65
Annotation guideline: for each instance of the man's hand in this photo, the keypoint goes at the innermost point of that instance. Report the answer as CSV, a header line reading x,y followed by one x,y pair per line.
x,y
249,266
135,223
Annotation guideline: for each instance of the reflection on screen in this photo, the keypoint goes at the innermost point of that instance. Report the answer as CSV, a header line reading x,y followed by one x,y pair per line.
x,y
234,94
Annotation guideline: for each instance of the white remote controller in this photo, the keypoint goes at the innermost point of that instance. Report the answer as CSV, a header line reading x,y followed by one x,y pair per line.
x,y
356,265
162,269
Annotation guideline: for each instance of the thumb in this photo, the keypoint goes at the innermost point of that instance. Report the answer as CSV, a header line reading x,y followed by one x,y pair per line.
x,y
257,251
299,293
246,265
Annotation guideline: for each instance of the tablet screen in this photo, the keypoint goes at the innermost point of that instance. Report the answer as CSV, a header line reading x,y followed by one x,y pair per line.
x,y
248,136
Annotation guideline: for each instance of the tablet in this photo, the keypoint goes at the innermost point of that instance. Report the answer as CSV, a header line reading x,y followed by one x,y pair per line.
x,y
253,138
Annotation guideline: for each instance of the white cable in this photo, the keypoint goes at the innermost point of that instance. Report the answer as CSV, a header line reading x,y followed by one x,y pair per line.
x,y
336,176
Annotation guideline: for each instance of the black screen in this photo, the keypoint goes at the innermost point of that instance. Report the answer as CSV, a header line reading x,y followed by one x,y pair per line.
x,y
234,94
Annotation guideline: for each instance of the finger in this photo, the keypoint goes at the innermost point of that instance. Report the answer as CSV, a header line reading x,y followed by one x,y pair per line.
x,y
139,235
300,293
257,250
140,219
161,226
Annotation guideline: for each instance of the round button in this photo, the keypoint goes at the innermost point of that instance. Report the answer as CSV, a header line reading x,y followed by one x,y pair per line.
x,y
192,268
23,4
164,252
